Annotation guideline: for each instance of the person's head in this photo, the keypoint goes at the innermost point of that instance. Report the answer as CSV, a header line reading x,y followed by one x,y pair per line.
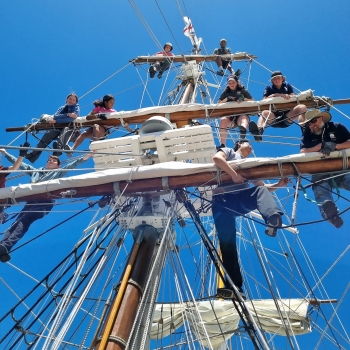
x,y
243,147
316,120
232,82
277,78
107,102
53,162
223,43
72,99
168,47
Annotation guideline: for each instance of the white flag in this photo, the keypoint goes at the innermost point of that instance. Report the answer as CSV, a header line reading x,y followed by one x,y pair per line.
x,y
188,30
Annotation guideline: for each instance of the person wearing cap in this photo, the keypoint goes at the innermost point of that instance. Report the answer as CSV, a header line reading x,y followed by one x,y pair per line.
x,y
237,198
278,119
35,210
322,135
223,64
234,92
161,67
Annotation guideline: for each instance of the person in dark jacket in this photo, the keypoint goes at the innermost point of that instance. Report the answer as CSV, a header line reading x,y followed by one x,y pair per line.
x,y
65,114
322,135
278,119
35,210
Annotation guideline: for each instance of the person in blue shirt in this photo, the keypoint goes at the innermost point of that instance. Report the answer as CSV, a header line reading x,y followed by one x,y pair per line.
x,y
322,135
33,210
65,114
277,119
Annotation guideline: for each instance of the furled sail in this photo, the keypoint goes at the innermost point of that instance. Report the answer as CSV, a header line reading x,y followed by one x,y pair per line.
x,y
216,321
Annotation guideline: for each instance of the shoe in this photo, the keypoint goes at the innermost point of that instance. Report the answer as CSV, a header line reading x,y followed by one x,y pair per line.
x,y
3,217
152,71
32,157
228,293
160,74
220,72
55,147
242,131
238,73
68,148
255,131
274,222
4,254
329,212
221,146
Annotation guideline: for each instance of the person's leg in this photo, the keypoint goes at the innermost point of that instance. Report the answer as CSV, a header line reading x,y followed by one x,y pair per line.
x,y
98,132
225,122
242,122
43,143
28,215
225,225
86,134
298,112
322,190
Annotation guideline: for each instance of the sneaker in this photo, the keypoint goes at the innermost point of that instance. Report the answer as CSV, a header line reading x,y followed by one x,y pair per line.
x,y
274,222
220,72
238,73
329,212
242,131
255,131
228,293
4,254
160,74
152,71
55,146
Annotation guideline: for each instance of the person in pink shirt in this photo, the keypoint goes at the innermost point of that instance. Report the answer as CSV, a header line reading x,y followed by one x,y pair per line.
x,y
97,132
161,67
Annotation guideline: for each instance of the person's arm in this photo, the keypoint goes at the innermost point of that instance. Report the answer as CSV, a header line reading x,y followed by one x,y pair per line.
x,y
272,187
13,160
220,161
69,117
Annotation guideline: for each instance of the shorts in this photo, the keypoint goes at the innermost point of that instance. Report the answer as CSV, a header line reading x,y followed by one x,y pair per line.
x,y
280,120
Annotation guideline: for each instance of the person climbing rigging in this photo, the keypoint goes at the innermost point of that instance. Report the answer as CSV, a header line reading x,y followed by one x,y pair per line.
x,y
5,171
234,92
277,119
97,132
161,67
221,63
33,210
65,114
322,135
236,199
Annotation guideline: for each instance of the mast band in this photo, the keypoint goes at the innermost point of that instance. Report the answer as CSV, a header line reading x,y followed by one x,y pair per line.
x,y
165,183
116,188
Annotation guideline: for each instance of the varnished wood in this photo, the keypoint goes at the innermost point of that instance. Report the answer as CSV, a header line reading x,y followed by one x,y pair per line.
x,y
182,116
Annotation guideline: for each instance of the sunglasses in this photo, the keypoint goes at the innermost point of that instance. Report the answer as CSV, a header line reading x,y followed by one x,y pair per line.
x,y
313,120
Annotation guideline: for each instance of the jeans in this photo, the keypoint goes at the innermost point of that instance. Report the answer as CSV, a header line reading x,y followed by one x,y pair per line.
x,y
323,190
30,213
225,209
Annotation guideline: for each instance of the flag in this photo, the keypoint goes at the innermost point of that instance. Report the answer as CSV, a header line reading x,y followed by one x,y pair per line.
x,y
188,30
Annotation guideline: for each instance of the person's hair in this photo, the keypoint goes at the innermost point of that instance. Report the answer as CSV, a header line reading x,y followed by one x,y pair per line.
x,y
239,87
102,103
73,94
238,144
56,158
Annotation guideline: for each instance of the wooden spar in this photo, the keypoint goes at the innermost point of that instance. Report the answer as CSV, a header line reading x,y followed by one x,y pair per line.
x,y
125,317
183,116
240,56
320,301
262,172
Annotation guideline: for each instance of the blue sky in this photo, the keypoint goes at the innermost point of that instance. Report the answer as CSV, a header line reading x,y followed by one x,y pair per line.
x,y
49,49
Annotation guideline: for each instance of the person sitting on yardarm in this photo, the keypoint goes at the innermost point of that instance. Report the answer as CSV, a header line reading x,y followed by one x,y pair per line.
x,y
322,135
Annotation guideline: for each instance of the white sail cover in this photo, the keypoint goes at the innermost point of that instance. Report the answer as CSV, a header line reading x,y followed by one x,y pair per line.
x,y
215,321
151,171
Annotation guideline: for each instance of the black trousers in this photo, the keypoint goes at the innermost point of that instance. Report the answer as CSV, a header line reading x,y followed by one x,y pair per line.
x,y
30,213
226,209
